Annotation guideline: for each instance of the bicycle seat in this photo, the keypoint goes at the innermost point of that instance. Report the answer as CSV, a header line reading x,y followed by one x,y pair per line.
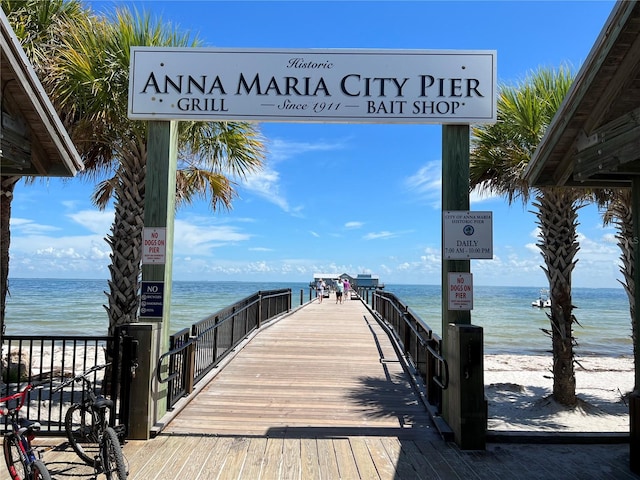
x,y
26,424
102,402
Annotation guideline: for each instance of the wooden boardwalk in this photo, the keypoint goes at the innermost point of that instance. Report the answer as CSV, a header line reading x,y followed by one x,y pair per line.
x,y
322,395
327,370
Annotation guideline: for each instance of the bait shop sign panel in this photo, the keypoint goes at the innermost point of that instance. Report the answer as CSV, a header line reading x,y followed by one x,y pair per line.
x,y
324,86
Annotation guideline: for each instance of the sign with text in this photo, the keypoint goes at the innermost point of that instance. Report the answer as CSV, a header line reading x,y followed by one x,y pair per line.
x,y
467,234
152,299
154,245
460,291
345,86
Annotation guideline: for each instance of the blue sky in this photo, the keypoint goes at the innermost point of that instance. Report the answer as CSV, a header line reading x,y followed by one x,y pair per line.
x,y
349,198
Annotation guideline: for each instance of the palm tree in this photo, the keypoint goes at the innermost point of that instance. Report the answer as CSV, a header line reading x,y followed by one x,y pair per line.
x,y
39,25
619,209
88,83
500,153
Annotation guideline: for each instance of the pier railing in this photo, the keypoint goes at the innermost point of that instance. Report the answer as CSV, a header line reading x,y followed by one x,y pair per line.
x,y
194,352
419,344
50,360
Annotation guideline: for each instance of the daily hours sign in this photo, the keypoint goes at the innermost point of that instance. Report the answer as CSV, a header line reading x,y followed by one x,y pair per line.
x,y
467,235
363,86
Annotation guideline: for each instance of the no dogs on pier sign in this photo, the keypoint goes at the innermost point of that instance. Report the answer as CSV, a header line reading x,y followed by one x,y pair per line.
x,y
154,245
460,291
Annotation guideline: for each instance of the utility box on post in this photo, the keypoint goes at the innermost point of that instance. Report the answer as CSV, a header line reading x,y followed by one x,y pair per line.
x,y
466,405
144,395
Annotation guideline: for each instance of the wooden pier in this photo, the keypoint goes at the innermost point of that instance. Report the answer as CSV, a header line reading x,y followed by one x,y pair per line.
x,y
322,394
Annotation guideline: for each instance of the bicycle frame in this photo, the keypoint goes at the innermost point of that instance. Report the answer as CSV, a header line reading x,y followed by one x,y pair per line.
x,y
22,429
94,442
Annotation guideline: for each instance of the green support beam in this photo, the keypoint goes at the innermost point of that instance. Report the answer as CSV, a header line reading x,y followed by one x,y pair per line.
x,y
463,404
455,196
148,398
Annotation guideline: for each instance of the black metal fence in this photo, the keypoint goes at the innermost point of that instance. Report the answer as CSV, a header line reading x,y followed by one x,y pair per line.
x,y
50,360
196,351
420,345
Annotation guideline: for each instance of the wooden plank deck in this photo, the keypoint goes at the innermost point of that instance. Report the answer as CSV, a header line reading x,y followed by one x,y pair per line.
x,y
327,370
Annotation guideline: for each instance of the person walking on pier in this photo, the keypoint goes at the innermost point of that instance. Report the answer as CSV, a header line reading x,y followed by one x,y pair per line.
x,y
339,290
347,287
320,286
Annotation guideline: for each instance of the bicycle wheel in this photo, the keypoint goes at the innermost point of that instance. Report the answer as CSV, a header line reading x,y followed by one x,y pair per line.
x,y
18,468
82,433
114,468
12,457
39,471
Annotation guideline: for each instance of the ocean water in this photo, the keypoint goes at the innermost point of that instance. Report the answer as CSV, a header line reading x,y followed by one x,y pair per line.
x,y
511,325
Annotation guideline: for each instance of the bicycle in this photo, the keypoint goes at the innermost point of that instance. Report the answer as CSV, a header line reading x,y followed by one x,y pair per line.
x,y
22,459
88,431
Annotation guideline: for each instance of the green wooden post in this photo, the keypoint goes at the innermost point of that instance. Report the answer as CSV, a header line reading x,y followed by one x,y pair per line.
x,y
455,196
463,406
147,396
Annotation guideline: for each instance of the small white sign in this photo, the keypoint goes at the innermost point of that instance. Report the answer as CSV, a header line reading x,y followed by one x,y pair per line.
x,y
313,85
154,245
467,235
460,291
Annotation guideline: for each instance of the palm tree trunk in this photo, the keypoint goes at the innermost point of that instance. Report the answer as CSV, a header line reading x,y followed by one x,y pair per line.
x,y
557,217
126,241
621,210
7,187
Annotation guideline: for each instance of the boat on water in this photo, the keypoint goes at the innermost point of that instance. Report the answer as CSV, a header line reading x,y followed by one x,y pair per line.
x,y
543,301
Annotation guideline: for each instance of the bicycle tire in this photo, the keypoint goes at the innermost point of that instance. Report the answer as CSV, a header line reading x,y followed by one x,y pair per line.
x,y
36,470
39,471
113,456
82,434
12,458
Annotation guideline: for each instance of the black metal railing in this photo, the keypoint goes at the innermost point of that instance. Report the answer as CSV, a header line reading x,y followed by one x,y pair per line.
x,y
196,351
49,360
418,342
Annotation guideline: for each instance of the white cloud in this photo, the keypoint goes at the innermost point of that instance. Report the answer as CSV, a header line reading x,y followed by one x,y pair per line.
x,y
280,149
477,196
266,183
24,226
427,183
378,235
353,225
199,235
95,221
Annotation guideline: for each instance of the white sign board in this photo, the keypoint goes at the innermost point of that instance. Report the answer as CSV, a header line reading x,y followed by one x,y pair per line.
x,y
467,234
460,291
154,245
347,86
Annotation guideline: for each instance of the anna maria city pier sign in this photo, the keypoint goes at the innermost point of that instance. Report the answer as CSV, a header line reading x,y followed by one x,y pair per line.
x,y
337,86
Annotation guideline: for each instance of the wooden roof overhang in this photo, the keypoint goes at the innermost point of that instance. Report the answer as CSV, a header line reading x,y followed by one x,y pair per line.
x,y
34,141
594,139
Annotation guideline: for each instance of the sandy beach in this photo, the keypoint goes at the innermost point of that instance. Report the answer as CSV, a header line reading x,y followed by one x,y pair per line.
x,y
518,386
